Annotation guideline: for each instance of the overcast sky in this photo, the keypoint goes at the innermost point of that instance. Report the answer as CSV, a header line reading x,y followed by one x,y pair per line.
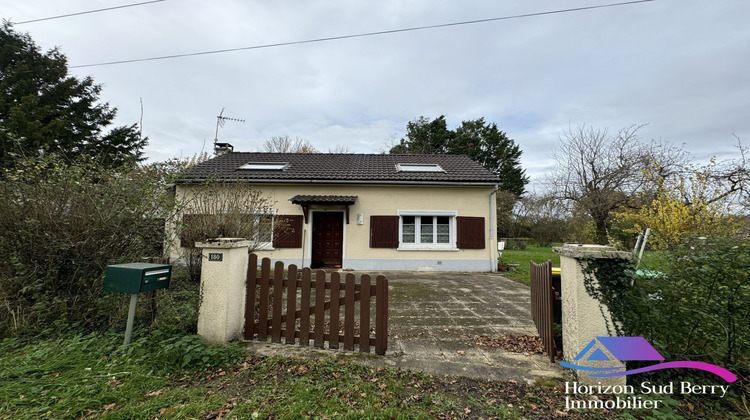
x,y
680,66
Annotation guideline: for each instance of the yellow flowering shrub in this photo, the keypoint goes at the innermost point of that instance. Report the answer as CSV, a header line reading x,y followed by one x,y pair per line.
x,y
683,205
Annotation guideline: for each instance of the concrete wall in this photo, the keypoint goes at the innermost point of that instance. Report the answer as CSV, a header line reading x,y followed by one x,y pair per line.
x,y
385,200
222,306
583,317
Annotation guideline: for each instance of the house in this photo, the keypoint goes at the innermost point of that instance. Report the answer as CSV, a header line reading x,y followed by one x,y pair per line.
x,y
368,211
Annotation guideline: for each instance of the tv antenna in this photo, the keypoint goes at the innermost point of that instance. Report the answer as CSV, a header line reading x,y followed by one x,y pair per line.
x,y
220,121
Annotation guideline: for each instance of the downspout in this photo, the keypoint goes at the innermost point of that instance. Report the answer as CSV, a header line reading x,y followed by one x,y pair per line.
x,y
304,242
493,243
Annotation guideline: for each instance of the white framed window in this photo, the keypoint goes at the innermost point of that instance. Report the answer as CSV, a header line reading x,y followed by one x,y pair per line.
x,y
262,228
427,230
264,231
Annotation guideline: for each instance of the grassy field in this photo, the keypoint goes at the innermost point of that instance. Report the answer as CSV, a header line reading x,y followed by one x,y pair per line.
x,y
176,376
522,257
651,260
167,373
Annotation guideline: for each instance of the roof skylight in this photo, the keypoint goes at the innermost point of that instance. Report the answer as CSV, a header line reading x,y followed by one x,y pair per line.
x,y
265,166
419,167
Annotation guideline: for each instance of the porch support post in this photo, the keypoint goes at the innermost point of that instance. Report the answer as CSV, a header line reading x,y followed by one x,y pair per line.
x,y
306,212
223,279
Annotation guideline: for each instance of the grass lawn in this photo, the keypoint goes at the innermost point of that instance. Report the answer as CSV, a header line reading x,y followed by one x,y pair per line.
x,y
166,373
176,376
534,253
651,261
163,376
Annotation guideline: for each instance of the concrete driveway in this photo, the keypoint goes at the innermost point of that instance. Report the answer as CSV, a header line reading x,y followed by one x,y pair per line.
x,y
434,319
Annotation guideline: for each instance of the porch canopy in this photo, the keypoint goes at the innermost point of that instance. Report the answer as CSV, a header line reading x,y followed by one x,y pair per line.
x,y
306,200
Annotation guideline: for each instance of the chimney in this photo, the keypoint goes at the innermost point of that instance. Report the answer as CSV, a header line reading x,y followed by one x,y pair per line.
x,y
222,148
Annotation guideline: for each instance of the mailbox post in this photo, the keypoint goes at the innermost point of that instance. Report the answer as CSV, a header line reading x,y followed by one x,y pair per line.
x,y
136,278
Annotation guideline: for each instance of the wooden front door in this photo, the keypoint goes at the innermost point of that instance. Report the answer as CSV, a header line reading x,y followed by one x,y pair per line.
x,y
327,239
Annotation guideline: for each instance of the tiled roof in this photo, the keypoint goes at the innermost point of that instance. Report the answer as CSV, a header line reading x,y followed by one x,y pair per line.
x,y
349,168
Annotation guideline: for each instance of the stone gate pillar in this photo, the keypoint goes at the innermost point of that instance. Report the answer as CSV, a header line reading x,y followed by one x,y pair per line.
x,y
583,317
223,279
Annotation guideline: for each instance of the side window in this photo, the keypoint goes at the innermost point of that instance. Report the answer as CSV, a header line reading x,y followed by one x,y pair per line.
x,y
443,231
408,229
264,233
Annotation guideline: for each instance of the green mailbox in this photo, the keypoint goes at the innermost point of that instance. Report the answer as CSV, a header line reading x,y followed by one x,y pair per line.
x,y
137,278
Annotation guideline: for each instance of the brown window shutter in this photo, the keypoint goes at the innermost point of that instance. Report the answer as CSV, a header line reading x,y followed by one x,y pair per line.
x,y
470,232
384,231
287,231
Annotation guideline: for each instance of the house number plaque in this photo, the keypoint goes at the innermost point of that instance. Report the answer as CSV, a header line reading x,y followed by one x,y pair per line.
x,y
215,256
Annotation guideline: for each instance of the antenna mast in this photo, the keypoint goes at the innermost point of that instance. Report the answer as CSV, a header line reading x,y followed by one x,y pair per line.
x,y
221,148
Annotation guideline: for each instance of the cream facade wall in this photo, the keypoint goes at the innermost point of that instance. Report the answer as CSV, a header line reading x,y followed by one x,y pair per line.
x,y
381,200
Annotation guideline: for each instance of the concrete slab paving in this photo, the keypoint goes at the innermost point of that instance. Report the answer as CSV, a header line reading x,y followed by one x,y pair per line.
x,y
433,319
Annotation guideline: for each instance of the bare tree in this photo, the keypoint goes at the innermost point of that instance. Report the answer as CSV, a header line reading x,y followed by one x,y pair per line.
x,y
341,149
597,173
731,177
287,144
223,210
388,144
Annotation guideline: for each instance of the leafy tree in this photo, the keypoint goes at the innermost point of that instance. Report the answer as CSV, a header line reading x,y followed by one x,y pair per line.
x,y
541,218
486,144
477,139
506,223
42,108
425,137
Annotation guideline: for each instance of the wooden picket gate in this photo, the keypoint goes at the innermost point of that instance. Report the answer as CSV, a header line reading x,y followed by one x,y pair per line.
x,y
542,296
276,308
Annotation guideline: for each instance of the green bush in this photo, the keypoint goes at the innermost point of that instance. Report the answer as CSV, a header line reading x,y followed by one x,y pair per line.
x,y
708,287
61,224
170,350
177,306
693,305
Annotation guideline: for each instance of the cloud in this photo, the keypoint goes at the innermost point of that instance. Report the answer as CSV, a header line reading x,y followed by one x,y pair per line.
x,y
680,67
